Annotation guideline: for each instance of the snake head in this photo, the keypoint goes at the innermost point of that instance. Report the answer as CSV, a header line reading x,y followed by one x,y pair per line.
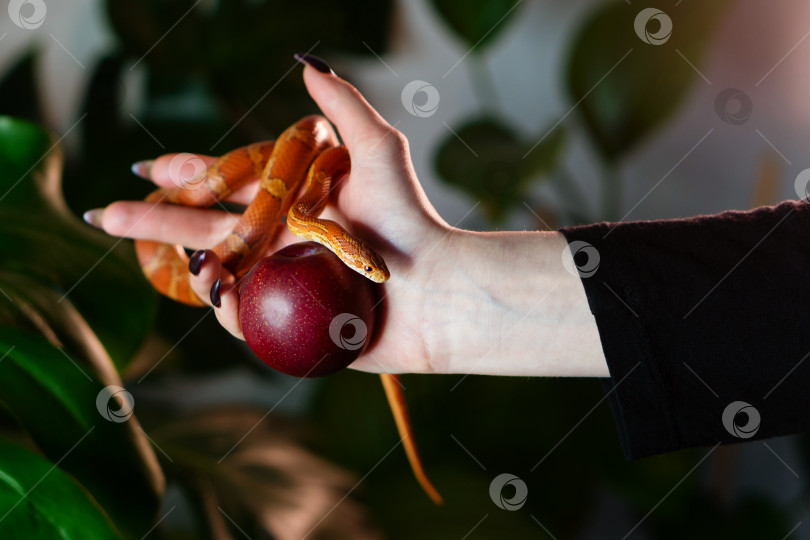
x,y
368,263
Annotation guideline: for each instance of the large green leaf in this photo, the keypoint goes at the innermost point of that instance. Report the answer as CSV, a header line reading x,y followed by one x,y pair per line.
x,y
477,22
627,87
39,501
55,399
59,256
486,159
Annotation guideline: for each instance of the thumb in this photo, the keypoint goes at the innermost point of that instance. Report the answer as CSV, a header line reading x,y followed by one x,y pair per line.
x,y
359,125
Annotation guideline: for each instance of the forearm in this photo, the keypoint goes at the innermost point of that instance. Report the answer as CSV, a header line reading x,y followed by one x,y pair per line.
x,y
503,304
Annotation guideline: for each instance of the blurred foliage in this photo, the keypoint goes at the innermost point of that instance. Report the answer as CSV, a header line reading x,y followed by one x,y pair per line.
x,y
477,22
470,429
623,89
43,512
53,365
487,160
54,398
626,88
629,88
238,55
238,462
59,264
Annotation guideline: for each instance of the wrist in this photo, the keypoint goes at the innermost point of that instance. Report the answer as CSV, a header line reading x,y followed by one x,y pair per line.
x,y
502,303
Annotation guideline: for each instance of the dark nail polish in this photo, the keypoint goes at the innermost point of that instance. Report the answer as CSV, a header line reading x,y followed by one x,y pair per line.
x,y
195,262
215,288
314,61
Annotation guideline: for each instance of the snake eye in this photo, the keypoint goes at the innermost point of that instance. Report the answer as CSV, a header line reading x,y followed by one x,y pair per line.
x,y
368,269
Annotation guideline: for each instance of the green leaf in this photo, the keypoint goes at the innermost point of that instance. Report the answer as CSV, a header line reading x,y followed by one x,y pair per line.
x,y
476,22
627,87
55,399
58,255
38,500
486,159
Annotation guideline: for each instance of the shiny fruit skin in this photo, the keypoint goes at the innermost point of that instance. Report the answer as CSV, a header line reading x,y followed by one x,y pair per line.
x,y
304,312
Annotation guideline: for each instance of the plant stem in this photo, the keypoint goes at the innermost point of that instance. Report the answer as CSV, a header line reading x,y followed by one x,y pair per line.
x,y
483,83
574,200
611,192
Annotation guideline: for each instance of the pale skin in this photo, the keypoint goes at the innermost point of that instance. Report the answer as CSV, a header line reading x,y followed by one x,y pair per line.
x,y
498,303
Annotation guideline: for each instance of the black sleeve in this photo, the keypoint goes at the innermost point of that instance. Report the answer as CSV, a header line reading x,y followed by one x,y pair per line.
x,y
705,324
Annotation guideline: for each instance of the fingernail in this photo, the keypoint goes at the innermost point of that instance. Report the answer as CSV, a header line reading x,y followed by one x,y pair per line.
x,y
215,299
314,61
195,262
143,168
93,217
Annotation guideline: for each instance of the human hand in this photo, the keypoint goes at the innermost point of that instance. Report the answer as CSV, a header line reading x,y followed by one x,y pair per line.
x,y
457,301
381,200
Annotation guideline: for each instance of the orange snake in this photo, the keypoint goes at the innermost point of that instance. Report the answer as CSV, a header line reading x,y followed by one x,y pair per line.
x,y
308,145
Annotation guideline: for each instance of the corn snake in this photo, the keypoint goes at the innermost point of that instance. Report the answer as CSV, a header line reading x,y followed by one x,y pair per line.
x,y
306,151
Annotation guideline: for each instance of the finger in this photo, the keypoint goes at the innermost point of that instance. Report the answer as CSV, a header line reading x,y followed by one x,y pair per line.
x,y
182,170
174,170
209,271
360,126
228,312
195,228
245,194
